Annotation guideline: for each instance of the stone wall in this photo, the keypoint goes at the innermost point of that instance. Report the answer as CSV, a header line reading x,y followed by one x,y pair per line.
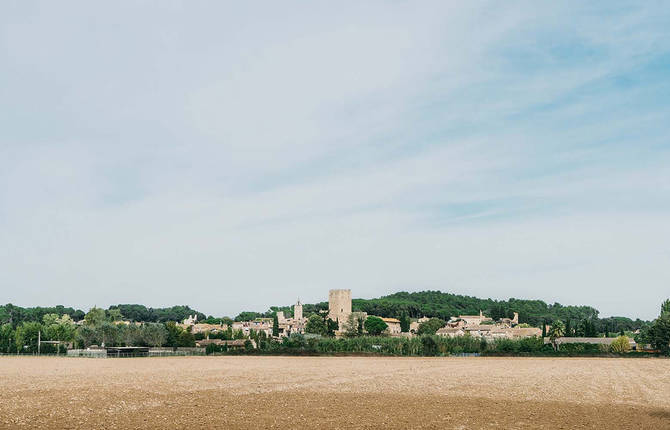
x,y
339,305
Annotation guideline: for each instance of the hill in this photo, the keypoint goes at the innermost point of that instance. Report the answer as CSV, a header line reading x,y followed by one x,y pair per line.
x,y
445,305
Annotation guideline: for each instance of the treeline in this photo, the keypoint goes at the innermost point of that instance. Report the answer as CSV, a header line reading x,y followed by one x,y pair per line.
x,y
445,305
141,313
657,333
99,327
10,314
432,304
15,315
437,304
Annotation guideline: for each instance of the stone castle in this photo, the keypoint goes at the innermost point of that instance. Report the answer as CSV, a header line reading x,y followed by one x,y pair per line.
x,y
339,305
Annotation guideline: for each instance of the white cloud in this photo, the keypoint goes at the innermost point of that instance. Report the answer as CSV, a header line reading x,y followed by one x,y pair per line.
x,y
231,158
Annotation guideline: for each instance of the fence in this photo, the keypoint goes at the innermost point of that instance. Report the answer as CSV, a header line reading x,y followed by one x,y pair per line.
x,y
153,352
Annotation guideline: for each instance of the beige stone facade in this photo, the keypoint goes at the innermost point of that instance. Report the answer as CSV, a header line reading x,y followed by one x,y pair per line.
x,y
474,319
472,325
339,306
393,326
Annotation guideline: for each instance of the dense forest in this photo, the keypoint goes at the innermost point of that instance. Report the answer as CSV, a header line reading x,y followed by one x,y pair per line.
x,y
445,305
15,314
143,314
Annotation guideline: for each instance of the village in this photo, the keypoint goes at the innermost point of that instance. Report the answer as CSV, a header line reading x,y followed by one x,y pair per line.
x,y
340,311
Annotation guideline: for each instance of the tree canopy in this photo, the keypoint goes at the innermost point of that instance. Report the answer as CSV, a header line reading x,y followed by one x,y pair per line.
x,y
316,325
375,325
443,305
431,326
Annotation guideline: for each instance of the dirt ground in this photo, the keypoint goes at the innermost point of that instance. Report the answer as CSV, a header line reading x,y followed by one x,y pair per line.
x,y
334,392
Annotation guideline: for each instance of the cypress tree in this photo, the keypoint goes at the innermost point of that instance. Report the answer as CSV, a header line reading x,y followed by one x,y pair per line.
x,y
275,325
404,323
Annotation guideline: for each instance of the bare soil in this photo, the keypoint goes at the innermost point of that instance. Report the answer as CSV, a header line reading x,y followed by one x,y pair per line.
x,y
334,392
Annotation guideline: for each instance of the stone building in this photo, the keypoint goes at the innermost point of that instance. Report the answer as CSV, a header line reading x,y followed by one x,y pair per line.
x,y
296,324
414,325
339,306
393,326
450,331
474,319
511,322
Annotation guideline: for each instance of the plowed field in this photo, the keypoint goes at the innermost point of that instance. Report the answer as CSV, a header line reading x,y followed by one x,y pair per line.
x,y
334,392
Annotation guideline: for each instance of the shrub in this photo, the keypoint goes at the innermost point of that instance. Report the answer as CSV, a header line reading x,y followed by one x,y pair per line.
x,y
620,345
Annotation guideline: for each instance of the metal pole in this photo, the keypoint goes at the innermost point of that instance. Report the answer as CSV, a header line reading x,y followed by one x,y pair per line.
x,y
39,341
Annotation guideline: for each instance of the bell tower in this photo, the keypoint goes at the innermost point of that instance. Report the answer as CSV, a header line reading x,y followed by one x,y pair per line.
x,y
297,311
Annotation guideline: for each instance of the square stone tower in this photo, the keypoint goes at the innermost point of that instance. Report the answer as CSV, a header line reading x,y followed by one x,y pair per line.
x,y
339,305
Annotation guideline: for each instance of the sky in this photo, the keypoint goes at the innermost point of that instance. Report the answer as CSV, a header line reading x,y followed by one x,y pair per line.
x,y
233,155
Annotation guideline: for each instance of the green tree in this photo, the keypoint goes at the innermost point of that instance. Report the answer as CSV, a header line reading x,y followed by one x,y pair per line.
x,y
248,316
132,335
173,331
7,338
404,323
557,330
431,326
27,335
316,325
658,333
568,328
331,327
186,339
375,325
87,336
351,326
665,307
275,325
108,334
114,315
59,328
49,319
154,334
95,317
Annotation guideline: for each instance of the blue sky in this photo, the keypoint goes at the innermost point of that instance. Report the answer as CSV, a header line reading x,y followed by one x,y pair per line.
x,y
232,157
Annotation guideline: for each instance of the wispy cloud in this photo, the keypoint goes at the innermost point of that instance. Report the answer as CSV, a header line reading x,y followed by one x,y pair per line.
x,y
234,158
